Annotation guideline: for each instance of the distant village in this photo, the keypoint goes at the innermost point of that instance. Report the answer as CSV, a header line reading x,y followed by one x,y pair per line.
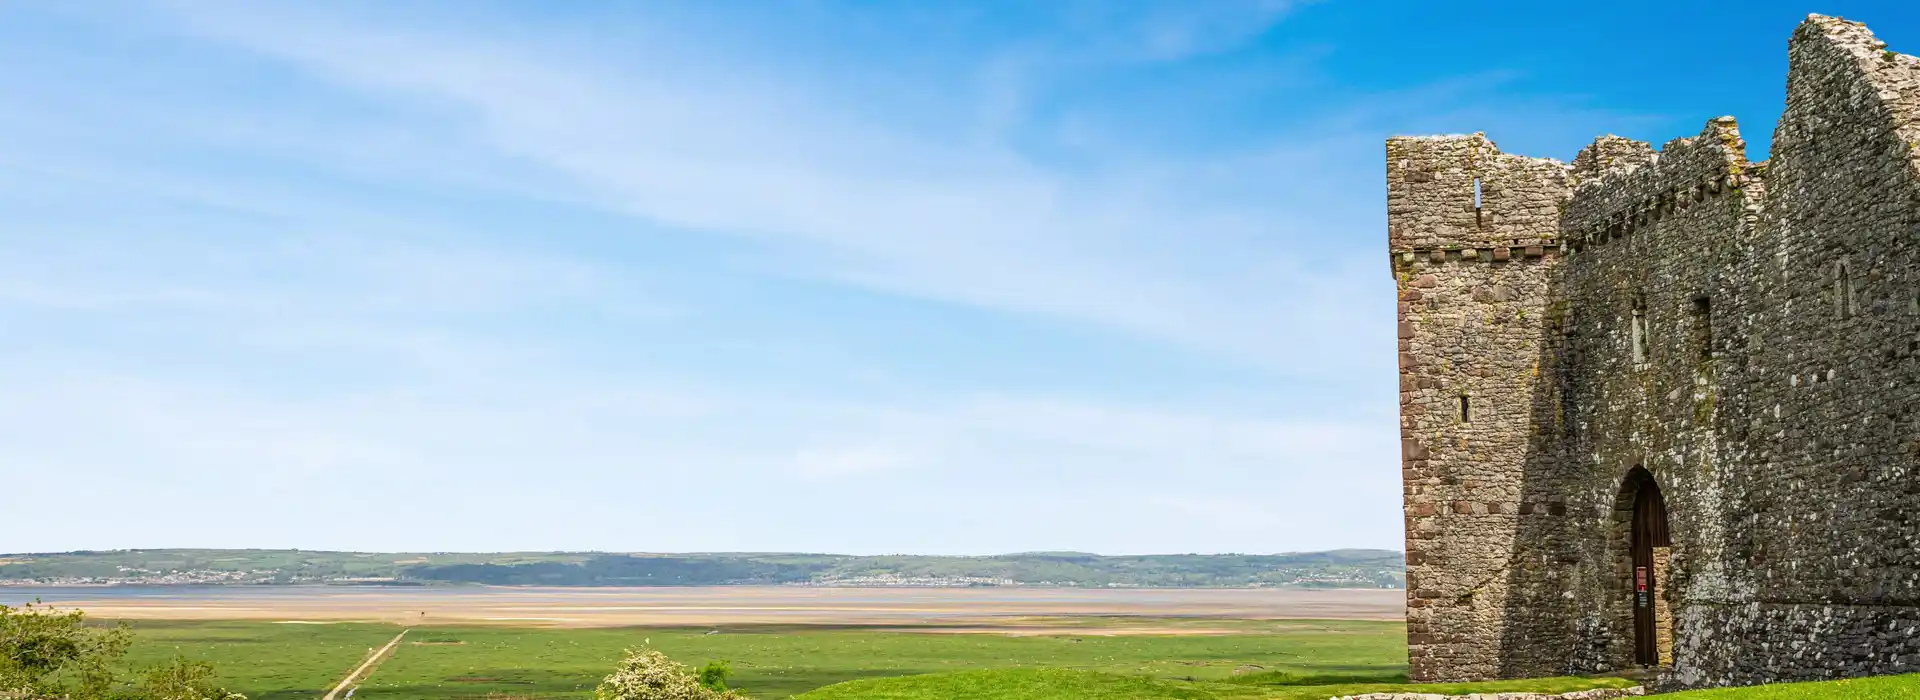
x,y
130,576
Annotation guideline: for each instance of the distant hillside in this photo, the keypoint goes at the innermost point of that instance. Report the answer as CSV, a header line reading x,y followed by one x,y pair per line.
x,y
1346,568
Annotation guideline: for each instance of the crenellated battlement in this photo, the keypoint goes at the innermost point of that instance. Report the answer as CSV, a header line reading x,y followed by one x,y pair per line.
x,y
1624,186
1460,192
1451,198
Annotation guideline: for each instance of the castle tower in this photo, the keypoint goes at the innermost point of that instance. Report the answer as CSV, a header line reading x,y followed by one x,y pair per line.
x,y
1474,236
1659,408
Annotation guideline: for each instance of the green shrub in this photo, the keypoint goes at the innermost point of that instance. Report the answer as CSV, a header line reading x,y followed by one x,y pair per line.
x,y
45,652
713,676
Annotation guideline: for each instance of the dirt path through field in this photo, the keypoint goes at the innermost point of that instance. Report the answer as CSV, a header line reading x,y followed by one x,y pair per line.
x,y
366,667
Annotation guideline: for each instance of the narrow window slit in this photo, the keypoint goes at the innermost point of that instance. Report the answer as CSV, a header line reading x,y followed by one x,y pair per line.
x,y
1843,291
1477,219
1703,326
1639,331
1466,409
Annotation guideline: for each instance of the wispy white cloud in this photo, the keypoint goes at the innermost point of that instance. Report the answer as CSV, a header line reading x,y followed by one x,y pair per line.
x,y
1183,31
427,280
727,149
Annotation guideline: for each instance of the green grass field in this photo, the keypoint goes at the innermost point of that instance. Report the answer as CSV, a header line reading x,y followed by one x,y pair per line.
x,y
1030,684
1086,685
1294,660
1884,688
267,661
279,661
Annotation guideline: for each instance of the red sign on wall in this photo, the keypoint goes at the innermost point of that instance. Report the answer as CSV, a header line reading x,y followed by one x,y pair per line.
x,y
1640,579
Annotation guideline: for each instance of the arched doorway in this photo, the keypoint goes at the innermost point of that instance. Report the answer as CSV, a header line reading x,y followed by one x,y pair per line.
x,y
1648,542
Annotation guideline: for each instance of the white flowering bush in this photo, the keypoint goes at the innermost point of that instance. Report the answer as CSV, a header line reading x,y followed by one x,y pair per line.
x,y
181,679
646,674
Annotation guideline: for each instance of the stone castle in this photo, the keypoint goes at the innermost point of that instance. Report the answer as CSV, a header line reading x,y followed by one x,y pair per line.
x,y
1662,408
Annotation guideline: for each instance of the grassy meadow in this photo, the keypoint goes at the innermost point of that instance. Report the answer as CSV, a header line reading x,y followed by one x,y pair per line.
x,y
1252,660
270,661
1883,688
1024,684
264,660
1084,685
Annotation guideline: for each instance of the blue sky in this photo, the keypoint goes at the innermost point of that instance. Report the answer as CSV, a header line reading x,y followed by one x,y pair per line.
x,y
808,275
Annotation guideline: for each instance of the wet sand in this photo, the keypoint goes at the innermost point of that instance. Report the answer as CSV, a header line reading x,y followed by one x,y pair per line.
x,y
945,609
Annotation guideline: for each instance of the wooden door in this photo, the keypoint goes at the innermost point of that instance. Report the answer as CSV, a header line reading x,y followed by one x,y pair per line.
x,y
1649,531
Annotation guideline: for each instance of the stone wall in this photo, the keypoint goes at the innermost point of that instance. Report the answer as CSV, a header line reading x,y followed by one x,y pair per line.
x,y
1747,333
1824,457
1655,250
1474,234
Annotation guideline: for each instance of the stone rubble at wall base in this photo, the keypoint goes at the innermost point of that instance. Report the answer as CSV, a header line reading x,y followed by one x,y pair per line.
x,y
1596,694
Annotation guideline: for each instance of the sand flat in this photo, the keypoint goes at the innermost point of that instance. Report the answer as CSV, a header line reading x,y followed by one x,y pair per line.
x,y
976,608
